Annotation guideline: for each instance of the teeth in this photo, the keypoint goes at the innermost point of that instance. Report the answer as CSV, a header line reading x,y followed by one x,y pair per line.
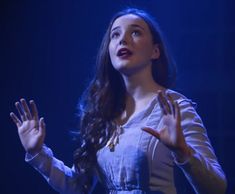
x,y
123,52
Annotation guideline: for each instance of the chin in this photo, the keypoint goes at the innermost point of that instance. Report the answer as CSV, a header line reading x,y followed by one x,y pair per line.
x,y
124,68
127,71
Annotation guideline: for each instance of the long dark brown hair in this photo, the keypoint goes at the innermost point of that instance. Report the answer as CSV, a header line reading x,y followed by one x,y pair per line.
x,y
104,98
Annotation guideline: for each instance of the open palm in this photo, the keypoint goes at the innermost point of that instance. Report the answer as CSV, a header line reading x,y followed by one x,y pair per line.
x,y
169,130
31,129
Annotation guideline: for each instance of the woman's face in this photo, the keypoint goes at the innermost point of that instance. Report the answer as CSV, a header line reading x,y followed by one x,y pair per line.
x,y
131,46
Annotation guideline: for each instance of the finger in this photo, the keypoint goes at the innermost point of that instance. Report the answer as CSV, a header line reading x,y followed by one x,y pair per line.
x,y
26,109
166,103
163,103
42,127
34,109
15,119
151,131
171,104
177,110
20,111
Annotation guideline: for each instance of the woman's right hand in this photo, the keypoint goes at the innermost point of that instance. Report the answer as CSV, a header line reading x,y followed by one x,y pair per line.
x,y
31,129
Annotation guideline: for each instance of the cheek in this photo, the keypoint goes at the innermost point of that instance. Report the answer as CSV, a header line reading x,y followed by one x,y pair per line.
x,y
146,49
111,50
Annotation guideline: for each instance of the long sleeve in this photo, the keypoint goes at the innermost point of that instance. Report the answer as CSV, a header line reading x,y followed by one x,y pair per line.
x,y
202,170
62,178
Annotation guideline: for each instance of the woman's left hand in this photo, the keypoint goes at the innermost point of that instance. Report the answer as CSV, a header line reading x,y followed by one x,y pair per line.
x,y
170,131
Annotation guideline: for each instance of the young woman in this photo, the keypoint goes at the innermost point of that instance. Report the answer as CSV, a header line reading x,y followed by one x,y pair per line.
x,y
134,128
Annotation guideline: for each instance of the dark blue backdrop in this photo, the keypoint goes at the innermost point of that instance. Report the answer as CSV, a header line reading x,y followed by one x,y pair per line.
x,y
48,49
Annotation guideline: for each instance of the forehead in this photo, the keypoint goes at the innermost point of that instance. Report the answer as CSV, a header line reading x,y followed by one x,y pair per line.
x,y
128,20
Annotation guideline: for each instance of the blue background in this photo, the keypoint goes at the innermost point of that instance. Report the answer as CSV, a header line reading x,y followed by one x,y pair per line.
x,y
48,49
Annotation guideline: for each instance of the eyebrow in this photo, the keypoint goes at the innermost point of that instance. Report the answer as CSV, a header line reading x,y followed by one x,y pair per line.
x,y
132,25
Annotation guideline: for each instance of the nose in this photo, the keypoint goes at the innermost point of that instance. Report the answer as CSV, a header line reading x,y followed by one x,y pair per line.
x,y
123,39
122,42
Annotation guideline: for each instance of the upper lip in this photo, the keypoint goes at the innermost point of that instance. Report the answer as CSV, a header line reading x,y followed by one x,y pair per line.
x,y
121,50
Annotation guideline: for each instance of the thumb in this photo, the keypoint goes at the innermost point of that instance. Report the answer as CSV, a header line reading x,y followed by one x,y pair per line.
x,y
151,131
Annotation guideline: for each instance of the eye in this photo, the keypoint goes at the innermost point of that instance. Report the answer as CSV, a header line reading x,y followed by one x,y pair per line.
x,y
136,33
115,35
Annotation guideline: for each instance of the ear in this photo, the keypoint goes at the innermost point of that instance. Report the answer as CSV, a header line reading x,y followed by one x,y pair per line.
x,y
156,52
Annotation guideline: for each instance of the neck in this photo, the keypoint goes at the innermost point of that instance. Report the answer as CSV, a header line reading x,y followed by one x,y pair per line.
x,y
139,87
138,93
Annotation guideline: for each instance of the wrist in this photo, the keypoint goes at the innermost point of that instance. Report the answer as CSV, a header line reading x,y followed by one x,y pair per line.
x,y
183,154
34,151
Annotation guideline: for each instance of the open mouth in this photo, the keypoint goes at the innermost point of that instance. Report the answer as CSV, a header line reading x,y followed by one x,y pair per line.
x,y
124,53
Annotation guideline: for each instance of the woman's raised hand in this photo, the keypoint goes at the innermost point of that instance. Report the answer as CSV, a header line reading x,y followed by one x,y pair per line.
x,y
31,128
170,131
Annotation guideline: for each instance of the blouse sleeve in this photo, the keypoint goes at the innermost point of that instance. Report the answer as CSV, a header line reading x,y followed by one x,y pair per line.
x,y
63,179
202,170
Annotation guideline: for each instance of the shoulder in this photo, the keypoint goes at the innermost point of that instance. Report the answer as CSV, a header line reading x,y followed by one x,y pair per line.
x,y
189,115
180,98
186,105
